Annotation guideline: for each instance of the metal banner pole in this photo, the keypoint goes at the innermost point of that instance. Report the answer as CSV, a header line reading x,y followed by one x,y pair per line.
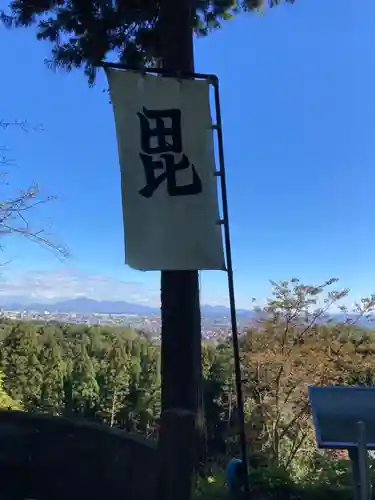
x,y
363,462
214,81
354,458
232,300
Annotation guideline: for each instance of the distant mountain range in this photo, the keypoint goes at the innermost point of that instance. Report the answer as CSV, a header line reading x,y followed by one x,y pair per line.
x,y
83,305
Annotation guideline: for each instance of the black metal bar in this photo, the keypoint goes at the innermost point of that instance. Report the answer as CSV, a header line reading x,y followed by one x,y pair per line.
x,y
213,80
162,72
232,300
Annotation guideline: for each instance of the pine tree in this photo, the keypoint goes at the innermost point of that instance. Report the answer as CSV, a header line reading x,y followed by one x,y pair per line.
x,y
219,395
83,384
54,372
113,377
142,403
84,32
22,369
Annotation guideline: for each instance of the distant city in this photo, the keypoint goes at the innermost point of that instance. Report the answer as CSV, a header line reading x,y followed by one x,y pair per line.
x,y
215,319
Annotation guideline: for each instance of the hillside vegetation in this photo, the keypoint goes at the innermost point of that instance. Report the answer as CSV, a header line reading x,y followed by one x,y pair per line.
x,y
111,375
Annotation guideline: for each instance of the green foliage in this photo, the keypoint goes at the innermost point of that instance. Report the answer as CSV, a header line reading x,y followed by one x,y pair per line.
x,y
328,472
294,345
219,395
22,369
211,488
6,402
271,478
84,386
85,32
112,376
54,371
272,482
113,379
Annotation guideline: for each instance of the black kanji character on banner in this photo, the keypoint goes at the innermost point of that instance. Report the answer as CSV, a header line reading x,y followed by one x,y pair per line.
x,y
162,150
161,132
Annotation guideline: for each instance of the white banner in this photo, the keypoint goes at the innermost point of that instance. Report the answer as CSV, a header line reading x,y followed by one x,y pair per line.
x,y
169,188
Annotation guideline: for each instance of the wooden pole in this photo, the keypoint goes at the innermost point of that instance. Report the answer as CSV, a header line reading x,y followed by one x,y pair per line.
x,y
175,456
180,309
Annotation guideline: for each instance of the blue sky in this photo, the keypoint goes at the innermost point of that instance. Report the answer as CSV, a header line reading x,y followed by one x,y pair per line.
x,y
299,126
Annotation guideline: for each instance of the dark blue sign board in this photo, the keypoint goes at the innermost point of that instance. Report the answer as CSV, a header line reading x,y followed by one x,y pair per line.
x,y
336,412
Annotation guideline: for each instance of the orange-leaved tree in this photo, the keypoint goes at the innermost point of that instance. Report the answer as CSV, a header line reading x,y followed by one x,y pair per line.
x,y
296,343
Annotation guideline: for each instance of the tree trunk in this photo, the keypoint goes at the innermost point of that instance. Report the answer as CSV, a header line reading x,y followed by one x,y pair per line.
x,y
181,377
180,340
113,408
180,310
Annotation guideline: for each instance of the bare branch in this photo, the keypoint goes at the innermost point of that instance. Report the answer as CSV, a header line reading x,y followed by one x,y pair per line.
x,y
23,125
14,208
